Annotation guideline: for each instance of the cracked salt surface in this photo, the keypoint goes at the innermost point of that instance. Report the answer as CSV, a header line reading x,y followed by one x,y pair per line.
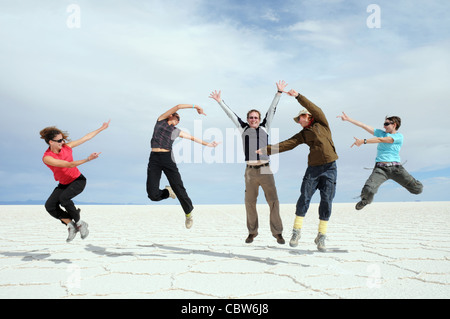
x,y
145,252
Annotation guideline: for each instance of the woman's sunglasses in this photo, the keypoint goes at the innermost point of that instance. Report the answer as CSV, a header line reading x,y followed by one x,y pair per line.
x,y
58,141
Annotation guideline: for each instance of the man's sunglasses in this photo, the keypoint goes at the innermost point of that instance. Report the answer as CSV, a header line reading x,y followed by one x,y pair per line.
x,y
388,123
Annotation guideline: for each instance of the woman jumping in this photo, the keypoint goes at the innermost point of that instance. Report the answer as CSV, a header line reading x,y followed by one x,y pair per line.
x,y
59,159
161,160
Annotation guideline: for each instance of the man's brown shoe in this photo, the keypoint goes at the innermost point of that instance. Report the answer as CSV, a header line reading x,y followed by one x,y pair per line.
x,y
280,239
250,238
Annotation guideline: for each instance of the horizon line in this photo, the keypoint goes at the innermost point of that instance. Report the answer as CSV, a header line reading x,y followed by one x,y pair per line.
x,y
39,203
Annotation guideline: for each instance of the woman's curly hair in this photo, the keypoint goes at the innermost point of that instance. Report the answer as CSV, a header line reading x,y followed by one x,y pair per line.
x,y
50,132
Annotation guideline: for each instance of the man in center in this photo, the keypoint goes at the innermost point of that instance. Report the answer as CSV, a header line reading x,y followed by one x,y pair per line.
x,y
257,173
321,173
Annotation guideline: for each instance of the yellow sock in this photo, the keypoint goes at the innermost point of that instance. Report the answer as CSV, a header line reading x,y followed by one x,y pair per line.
x,y
298,222
323,225
188,215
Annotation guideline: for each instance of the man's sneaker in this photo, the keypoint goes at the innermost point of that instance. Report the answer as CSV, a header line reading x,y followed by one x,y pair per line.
x,y
280,239
320,242
171,192
296,234
249,238
71,227
189,221
83,228
360,205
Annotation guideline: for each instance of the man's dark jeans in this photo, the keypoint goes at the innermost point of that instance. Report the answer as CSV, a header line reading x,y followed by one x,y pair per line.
x,y
323,178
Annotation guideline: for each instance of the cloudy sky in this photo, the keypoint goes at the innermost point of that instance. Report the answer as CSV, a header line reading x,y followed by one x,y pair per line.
x,y
77,64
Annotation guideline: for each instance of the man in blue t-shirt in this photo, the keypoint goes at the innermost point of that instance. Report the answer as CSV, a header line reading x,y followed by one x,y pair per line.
x,y
387,162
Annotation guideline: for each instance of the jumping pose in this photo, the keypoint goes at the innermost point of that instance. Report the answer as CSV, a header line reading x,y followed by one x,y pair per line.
x,y
387,162
257,173
161,160
59,159
321,172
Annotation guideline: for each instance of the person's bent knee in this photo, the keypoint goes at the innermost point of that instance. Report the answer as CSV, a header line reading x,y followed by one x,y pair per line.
x,y
49,207
56,213
417,190
156,196
52,210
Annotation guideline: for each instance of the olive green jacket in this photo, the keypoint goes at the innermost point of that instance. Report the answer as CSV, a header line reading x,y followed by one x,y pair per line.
x,y
317,136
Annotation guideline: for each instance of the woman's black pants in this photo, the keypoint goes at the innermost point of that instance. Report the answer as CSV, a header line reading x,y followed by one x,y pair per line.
x,y
162,162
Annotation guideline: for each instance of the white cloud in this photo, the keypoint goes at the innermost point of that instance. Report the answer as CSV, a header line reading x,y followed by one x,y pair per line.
x,y
320,33
270,15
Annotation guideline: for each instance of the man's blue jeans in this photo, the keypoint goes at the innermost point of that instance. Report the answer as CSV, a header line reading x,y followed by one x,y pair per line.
x,y
323,178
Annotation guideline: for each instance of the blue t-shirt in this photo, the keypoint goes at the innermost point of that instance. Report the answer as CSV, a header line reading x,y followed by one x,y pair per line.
x,y
387,152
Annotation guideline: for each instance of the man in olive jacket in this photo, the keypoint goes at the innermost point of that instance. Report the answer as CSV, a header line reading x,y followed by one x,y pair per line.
x,y
321,172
